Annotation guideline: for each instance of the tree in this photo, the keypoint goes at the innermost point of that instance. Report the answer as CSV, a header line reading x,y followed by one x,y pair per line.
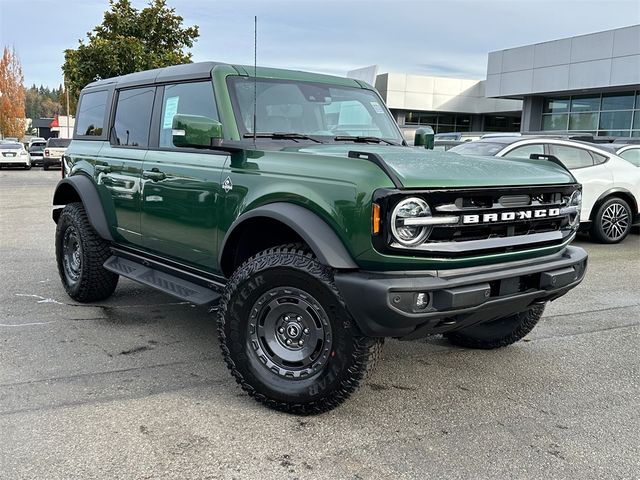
x,y
44,101
128,40
12,100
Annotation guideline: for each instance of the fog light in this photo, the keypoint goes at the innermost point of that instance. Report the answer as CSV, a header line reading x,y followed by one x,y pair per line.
x,y
422,300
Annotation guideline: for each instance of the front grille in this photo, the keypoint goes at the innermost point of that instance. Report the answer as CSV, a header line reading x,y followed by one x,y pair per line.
x,y
495,219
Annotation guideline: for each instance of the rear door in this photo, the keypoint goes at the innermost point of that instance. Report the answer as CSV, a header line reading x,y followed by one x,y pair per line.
x,y
118,167
180,186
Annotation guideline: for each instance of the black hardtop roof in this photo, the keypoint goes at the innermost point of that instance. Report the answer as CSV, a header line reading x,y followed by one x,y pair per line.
x,y
166,74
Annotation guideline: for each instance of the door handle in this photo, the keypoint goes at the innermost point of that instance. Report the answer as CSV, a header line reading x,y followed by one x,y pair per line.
x,y
154,175
103,168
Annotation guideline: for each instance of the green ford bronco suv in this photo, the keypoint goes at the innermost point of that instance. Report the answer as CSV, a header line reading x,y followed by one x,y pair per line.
x,y
290,204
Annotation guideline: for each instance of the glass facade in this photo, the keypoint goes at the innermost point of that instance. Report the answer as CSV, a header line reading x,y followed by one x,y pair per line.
x,y
461,122
440,122
607,114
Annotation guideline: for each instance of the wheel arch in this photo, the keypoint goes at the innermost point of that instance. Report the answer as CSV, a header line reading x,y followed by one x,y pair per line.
x,y
297,223
623,193
79,188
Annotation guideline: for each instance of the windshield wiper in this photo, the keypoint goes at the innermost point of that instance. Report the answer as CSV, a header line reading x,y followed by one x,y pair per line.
x,y
282,136
363,139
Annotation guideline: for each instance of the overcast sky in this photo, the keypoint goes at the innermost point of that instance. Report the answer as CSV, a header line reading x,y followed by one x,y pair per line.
x,y
446,38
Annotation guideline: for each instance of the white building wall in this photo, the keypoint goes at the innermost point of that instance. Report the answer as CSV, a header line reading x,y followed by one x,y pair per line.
x,y
598,60
440,94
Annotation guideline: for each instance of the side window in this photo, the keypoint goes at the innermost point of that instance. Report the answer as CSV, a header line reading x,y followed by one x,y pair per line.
x,y
571,157
525,151
632,155
598,159
188,99
133,116
91,113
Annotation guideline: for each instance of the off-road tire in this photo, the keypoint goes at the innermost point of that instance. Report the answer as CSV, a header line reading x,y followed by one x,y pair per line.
x,y
93,282
351,357
600,227
497,333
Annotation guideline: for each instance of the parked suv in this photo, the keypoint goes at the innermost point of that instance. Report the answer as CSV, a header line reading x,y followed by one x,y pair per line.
x,y
53,152
289,203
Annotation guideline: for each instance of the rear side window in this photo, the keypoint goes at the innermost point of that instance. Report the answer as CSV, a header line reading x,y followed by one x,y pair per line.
x,y
58,142
91,114
525,151
571,157
133,117
632,155
186,99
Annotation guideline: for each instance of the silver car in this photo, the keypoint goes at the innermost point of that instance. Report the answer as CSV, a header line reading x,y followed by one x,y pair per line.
x,y
36,153
13,154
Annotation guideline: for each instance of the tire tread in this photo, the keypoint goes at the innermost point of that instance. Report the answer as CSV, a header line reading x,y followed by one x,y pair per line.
x,y
366,353
95,283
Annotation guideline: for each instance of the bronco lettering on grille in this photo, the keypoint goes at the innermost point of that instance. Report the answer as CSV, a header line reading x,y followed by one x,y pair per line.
x,y
511,216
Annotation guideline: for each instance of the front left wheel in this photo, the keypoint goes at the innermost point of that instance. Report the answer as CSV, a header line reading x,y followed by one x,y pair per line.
x,y
286,335
80,254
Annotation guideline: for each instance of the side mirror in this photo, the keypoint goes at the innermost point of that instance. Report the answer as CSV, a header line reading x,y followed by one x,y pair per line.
x,y
195,131
424,138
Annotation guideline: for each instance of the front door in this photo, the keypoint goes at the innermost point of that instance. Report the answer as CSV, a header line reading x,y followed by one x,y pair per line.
x,y
118,166
180,186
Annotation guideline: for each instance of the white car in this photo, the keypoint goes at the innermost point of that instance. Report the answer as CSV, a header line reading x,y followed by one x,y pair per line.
x,y
610,185
13,154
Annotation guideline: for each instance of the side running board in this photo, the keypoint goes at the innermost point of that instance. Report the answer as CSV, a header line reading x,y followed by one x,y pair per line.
x,y
165,282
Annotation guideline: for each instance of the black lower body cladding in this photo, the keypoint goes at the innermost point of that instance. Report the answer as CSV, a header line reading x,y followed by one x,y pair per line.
x,y
415,304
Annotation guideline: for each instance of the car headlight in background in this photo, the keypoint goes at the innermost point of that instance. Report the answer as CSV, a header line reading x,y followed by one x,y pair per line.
x,y
572,208
405,221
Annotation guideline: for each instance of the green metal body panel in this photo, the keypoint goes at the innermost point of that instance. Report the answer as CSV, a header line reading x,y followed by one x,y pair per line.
x,y
120,183
186,214
179,214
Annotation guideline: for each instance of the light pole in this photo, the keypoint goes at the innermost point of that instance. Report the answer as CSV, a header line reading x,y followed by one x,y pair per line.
x,y
66,92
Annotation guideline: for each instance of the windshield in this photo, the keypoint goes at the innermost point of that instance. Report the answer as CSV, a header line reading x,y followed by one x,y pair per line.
x,y
37,145
478,148
314,109
59,142
11,146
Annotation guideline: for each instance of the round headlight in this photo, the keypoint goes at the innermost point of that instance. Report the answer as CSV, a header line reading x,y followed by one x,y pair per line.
x,y
410,208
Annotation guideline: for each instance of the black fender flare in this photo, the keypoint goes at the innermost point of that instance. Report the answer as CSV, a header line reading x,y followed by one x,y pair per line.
x,y
613,192
86,190
323,241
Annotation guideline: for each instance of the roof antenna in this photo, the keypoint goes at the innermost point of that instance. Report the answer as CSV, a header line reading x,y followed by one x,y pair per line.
x,y
255,79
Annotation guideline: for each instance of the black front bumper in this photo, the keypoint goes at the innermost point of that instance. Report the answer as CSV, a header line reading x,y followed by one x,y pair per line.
x,y
384,303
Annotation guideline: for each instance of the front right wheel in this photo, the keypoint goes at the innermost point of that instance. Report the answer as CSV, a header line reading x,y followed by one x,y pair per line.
x,y
498,333
286,335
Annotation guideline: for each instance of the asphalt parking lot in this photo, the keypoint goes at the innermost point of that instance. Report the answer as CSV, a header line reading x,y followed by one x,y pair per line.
x,y
136,388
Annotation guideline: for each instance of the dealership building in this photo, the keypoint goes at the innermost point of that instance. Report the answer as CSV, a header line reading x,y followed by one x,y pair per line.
x,y
588,83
